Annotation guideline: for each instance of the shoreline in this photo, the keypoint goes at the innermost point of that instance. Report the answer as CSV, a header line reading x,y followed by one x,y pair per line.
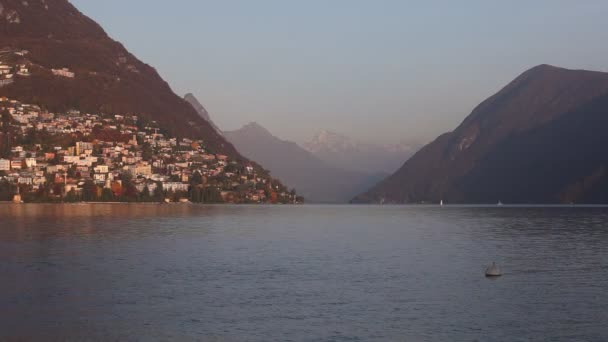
x,y
152,203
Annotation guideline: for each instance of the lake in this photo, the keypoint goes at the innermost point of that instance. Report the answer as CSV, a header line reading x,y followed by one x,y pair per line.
x,y
303,273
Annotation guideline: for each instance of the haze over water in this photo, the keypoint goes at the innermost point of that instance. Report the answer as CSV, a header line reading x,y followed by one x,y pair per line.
x,y
303,273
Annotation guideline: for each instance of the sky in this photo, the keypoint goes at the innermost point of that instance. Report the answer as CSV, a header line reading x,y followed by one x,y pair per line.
x,y
381,71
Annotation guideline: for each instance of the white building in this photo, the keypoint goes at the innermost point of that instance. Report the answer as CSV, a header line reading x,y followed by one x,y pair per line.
x,y
174,186
100,177
30,162
5,69
80,161
65,72
5,165
101,169
23,70
27,180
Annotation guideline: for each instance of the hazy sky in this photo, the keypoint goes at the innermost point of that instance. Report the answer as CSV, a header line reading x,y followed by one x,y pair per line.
x,y
376,70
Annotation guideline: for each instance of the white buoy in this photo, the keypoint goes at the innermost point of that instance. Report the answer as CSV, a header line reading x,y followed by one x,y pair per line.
x,y
493,271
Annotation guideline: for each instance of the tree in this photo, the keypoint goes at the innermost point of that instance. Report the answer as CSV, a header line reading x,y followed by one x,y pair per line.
x,y
71,197
5,119
195,194
147,153
211,195
159,193
196,179
89,191
107,195
231,168
145,195
6,143
97,150
72,171
5,190
129,192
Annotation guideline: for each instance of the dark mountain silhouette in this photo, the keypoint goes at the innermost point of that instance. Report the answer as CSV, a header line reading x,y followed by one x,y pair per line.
x,y
538,140
108,78
200,109
316,180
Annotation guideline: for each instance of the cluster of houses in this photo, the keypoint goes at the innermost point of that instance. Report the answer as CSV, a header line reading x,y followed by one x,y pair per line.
x,y
105,151
16,66
9,71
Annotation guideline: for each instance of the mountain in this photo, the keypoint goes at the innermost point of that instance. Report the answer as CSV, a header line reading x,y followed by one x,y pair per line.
x,y
101,76
315,179
200,109
540,139
347,153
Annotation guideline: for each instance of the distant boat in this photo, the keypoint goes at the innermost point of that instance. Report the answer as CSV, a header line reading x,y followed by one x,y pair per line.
x,y
499,203
441,203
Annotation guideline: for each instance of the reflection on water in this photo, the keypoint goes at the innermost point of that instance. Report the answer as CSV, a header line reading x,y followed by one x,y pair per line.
x,y
302,273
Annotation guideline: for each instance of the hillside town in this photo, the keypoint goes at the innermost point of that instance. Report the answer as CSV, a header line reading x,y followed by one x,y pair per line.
x,y
75,156
13,65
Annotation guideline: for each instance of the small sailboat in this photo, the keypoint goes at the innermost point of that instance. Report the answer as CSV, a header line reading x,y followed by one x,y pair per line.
x,y
441,203
499,203
493,271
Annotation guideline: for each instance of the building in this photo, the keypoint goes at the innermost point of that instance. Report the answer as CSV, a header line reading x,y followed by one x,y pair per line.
x,y
23,70
80,161
65,72
25,179
100,177
142,169
81,147
16,164
174,186
101,169
30,162
56,168
5,69
5,165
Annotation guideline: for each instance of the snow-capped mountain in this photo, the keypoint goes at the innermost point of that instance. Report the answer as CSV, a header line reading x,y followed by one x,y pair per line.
x,y
348,153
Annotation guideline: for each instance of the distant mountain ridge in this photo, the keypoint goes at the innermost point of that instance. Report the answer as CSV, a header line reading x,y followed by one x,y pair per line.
x,y
200,109
345,152
315,179
538,140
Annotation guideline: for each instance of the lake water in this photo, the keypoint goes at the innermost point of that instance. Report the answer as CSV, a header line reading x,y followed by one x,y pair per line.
x,y
302,273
